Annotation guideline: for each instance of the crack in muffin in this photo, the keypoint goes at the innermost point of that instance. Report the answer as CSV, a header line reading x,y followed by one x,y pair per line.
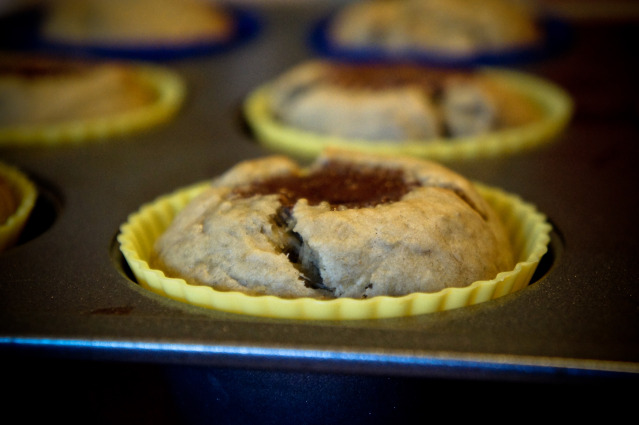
x,y
347,226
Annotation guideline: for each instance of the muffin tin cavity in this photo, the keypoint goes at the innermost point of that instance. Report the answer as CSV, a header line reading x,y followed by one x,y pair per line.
x,y
552,257
118,260
46,211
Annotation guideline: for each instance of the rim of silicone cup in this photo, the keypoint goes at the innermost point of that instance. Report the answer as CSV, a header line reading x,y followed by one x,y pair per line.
x,y
555,104
528,229
27,194
170,90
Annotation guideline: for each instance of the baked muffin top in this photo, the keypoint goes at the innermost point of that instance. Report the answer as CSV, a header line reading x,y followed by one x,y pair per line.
x,y
44,90
136,22
449,27
394,102
348,226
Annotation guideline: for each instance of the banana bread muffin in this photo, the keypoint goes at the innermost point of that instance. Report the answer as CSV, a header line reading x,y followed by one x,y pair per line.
x,y
447,27
393,102
42,90
131,23
349,225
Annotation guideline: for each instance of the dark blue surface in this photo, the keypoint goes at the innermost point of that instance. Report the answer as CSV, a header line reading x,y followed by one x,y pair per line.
x,y
119,393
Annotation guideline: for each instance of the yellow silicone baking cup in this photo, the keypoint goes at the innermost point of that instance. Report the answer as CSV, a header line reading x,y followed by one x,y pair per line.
x,y
528,229
167,85
554,103
26,193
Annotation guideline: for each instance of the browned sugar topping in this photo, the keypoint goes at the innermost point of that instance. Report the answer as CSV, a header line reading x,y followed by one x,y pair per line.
x,y
341,184
378,76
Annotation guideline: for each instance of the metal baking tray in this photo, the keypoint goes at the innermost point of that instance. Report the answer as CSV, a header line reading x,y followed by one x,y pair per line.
x,y
66,293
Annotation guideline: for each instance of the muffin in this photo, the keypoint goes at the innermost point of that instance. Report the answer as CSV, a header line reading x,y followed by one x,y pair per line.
x,y
453,28
400,107
394,102
45,99
350,236
140,23
17,200
350,226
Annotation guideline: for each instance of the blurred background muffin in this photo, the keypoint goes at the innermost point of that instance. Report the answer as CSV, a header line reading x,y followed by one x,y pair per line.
x,y
391,102
451,27
36,90
431,112
46,98
135,22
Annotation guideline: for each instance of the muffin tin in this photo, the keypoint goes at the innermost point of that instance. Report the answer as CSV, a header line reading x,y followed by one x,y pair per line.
x,y
66,291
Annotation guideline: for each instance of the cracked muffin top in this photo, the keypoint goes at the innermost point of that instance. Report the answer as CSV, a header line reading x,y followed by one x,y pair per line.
x,y
347,226
392,102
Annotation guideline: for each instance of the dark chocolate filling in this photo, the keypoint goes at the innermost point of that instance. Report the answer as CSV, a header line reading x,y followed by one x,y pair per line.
x,y
340,184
